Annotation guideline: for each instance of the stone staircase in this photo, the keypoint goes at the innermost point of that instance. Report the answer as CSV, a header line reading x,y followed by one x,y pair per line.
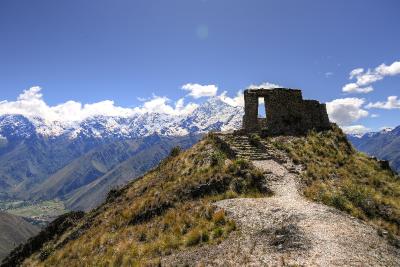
x,y
241,147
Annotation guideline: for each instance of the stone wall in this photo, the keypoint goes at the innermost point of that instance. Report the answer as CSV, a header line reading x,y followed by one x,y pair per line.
x,y
286,112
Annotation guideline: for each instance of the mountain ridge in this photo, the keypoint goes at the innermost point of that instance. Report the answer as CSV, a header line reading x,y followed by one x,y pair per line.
x,y
213,114
14,230
384,144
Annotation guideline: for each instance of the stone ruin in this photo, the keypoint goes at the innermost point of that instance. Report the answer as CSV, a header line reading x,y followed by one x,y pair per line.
x,y
286,112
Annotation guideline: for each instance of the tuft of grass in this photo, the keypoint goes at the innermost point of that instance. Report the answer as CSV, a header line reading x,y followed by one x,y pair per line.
x,y
255,139
337,175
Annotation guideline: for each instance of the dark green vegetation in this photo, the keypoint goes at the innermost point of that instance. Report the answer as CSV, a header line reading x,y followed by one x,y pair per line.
x,y
337,175
383,145
78,172
13,231
168,209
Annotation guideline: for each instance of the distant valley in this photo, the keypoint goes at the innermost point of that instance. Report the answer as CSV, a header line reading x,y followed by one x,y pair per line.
x,y
47,168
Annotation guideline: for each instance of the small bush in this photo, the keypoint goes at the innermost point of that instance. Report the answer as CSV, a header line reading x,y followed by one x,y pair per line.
x,y
217,232
193,238
255,139
205,237
175,151
217,158
219,217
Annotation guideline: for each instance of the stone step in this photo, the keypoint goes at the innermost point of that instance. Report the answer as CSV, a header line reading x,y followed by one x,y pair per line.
x,y
242,148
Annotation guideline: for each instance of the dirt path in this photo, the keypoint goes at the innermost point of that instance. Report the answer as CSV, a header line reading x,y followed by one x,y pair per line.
x,y
287,229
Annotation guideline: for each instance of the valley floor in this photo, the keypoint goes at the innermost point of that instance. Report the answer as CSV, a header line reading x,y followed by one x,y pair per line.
x,y
287,229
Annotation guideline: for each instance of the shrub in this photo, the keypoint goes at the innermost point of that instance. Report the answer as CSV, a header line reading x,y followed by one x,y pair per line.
x,y
217,232
193,238
175,151
219,217
254,139
217,158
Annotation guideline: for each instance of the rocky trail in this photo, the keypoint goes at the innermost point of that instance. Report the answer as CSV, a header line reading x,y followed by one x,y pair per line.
x,y
288,230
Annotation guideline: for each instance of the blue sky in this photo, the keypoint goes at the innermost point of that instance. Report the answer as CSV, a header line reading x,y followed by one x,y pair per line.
x,y
95,50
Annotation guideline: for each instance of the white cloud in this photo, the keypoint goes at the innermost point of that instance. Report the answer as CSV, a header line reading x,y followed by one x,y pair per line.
x,y
197,90
264,85
237,101
328,74
364,78
392,103
345,111
356,129
374,115
391,70
354,88
31,104
161,105
356,72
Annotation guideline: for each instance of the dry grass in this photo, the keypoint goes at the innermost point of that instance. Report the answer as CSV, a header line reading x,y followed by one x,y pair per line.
x,y
168,209
337,175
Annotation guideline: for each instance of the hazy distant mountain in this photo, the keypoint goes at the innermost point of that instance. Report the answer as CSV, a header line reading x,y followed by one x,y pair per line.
x,y
79,162
13,231
384,145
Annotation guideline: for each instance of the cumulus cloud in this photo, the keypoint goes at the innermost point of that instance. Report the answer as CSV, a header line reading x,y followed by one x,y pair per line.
x,y
356,129
355,88
345,111
197,90
237,101
161,105
264,85
392,103
356,72
364,78
30,103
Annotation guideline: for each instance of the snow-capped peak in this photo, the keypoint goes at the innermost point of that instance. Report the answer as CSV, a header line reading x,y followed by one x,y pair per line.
x,y
214,114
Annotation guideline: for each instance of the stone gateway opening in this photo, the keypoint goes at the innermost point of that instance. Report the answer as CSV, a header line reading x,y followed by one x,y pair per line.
x,y
261,108
286,112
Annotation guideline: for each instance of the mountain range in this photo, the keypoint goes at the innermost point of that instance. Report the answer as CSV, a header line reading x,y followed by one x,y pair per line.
x,y
79,162
384,144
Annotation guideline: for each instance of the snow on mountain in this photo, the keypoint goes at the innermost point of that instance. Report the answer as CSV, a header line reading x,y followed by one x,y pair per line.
x,y
384,130
214,114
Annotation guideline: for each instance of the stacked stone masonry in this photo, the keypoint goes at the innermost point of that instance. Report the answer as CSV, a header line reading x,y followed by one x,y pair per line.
x,y
286,112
